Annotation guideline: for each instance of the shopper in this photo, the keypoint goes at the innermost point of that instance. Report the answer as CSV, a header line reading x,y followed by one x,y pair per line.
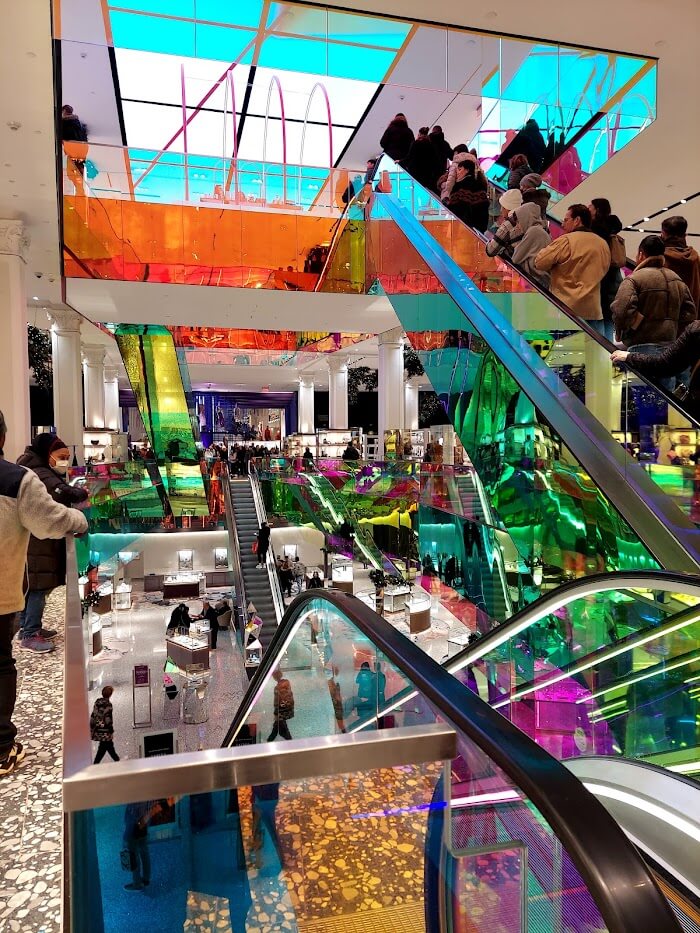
x,y
137,818
533,192
520,238
673,359
286,577
519,168
25,507
265,800
298,573
307,458
263,545
102,726
75,145
446,182
423,161
608,226
49,458
469,199
397,138
653,305
577,261
681,258
351,452
366,699
179,618
337,699
283,706
212,616
443,150
528,141
315,583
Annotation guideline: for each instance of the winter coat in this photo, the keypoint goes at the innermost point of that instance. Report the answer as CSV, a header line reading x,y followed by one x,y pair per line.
x,y
538,196
446,183
676,357
397,140
73,130
284,700
26,506
577,262
516,175
528,142
101,721
470,203
423,164
46,558
443,150
520,238
653,305
685,262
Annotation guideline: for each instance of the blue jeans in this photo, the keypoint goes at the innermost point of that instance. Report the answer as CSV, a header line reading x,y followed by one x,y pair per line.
x,y
30,617
655,349
598,326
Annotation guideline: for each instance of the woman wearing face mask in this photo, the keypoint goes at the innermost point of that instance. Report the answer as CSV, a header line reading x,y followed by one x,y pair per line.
x,y
49,458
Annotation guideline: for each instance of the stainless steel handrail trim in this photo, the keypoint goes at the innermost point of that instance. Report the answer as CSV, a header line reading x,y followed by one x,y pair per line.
x,y
77,747
620,883
666,582
664,529
234,547
246,765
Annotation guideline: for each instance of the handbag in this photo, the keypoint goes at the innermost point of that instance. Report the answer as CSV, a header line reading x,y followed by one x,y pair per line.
x,y
618,251
254,547
127,859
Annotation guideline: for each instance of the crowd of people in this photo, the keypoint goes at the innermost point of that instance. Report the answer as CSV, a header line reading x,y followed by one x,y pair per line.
x,y
650,314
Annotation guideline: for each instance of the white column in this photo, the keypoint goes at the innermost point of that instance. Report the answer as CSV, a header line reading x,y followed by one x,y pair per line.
x,y
306,406
602,400
14,361
111,390
390,384
337,392
67,379
411,389
94,385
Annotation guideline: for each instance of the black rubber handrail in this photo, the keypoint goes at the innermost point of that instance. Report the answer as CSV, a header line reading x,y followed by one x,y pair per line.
x,y
235,549
617,878
580,323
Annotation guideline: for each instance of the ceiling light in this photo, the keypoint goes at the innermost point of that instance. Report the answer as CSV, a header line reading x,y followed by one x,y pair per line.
x,y
35,297
641,230
646,220
683,201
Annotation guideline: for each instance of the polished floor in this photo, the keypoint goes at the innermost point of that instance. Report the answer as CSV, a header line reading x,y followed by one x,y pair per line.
x,y
30,799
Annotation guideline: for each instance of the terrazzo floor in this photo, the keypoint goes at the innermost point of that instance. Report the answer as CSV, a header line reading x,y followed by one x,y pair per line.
x,y
30,801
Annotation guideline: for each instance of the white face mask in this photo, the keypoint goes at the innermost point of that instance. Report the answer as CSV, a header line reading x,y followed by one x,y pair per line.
x,y
61,466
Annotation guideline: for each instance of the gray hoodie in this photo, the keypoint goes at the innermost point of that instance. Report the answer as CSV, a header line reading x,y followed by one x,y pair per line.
x,y
520,238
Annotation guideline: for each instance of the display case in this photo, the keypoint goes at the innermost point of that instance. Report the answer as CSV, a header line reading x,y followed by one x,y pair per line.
x,y
332,443
296,444
105,446
121,598
414,444
342,574
368,597
177,585
417,609
186,650
396,597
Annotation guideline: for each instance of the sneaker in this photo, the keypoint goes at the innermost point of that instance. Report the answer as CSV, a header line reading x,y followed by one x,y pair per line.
x,y
48,633
11,759
37,644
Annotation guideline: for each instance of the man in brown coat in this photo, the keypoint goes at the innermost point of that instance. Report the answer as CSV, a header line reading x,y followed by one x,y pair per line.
x,y
681,258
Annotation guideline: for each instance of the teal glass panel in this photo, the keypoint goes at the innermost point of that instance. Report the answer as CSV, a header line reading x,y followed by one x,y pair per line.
x,y
529,72
291,54
346,61
367,30
172,36
222,44
224,11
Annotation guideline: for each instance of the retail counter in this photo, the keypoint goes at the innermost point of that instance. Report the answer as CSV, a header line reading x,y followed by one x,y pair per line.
x,y
184,651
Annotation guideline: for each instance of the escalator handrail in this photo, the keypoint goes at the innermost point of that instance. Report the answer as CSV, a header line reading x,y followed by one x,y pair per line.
x,y
656,519
564,594
271,568
619,881
234,546
580,323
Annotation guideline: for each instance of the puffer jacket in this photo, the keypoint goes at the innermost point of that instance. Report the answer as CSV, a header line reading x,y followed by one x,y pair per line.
x,y
102,721
46,558
447,182
653,305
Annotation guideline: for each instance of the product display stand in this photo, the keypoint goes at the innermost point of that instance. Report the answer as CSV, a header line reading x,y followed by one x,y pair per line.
x,y
141,694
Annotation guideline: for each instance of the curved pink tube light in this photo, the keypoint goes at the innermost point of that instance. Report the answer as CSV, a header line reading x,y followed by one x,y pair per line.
x,y
323,90
233,167
276,81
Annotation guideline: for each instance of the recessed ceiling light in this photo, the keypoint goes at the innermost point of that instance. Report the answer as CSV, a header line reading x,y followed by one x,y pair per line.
x,y
35,297
683,201
646,220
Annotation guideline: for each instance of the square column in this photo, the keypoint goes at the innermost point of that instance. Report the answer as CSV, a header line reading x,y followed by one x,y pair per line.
x,y
14,354
391,390
337,392
111,393
67,379
306,406
94,386
411,390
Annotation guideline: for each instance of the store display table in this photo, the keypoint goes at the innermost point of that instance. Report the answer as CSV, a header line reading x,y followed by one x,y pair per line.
x,y
185,585
184,651
395,598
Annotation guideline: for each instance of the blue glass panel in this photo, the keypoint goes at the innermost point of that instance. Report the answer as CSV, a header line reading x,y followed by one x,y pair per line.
x,y
294,55
230,11
346,61
366,30
223,44
536,78
173,36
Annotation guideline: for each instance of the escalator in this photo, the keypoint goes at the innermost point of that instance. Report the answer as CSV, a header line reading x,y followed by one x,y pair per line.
x,y
542,432
510,839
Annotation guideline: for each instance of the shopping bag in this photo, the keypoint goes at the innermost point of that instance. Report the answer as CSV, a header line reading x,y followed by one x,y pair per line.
x,y
254,547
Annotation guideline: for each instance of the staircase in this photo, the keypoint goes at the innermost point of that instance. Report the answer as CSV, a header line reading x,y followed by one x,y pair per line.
x,y
256,582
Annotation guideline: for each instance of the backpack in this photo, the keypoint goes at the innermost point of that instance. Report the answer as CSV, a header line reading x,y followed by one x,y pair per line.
x,y
618,251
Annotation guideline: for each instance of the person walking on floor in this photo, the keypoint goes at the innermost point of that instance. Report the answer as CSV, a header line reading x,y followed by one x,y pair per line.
x,y
653,305
102,726
25,508
263,545
577,262
283,706
49,458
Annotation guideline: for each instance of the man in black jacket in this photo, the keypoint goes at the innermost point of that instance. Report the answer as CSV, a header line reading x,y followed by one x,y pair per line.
x,y
49,458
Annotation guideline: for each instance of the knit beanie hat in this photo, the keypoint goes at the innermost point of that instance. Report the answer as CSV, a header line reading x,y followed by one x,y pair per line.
x,y
533,180
511,199
46,444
